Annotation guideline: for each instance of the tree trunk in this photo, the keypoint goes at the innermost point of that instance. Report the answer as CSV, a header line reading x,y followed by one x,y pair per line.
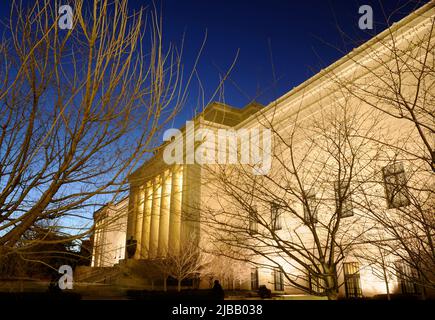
x,y
332,295
423,293
165,286
179,285
387,285
331,282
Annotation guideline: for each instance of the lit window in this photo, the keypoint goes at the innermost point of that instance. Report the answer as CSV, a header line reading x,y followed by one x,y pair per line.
x,y
310,207
238,284
317,283
343,197
275,216
407,276
278,280
396,190
352,280
228,282
254,278
253,223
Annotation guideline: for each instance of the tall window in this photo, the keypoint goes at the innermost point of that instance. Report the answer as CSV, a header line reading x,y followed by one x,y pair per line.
x,y
275,216
278,280
406,276
238,284
317,283
254,278
310,208
352,280
343,197
253,224
396,189
228,282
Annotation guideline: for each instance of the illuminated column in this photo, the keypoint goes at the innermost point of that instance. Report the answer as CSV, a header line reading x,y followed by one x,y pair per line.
x,y
131,212
97,244
146,226
164,214
190,214
184,230
175,210
103,257
100,243
95,248
132,216
155,217
94,253
140,199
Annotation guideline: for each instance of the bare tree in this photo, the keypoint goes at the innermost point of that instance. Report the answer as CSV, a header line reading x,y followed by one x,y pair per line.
x,y
185,263
230,272
376,254
44,251
402,206
78,108
399,80
302,218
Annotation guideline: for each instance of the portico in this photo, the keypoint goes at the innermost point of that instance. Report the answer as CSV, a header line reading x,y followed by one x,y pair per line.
x,y
155,213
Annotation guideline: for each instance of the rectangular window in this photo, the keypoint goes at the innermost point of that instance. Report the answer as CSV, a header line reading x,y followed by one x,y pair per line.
x,y
343,197
238,284
317,283
396,190
407,276
228,283
254,278
275,216
278,280
310,211
352,280
253,224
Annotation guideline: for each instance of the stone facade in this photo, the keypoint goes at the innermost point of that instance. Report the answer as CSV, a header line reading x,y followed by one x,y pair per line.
x,y
166,202
110,235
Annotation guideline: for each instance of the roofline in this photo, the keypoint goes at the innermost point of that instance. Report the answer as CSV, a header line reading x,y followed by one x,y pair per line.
x,y
348,57
214,104
107,204
335,65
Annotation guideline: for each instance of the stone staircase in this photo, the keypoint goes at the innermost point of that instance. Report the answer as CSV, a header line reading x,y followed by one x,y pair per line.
x,y
96,274
127,273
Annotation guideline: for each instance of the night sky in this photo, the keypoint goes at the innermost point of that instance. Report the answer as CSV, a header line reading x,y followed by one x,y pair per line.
x,y
281,43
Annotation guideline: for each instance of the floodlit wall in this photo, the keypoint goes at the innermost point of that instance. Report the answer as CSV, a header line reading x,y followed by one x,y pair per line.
x,y
169,203
110,235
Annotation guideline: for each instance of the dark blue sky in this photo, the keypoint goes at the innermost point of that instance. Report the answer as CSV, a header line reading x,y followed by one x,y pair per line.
x,y
299,35
302,36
